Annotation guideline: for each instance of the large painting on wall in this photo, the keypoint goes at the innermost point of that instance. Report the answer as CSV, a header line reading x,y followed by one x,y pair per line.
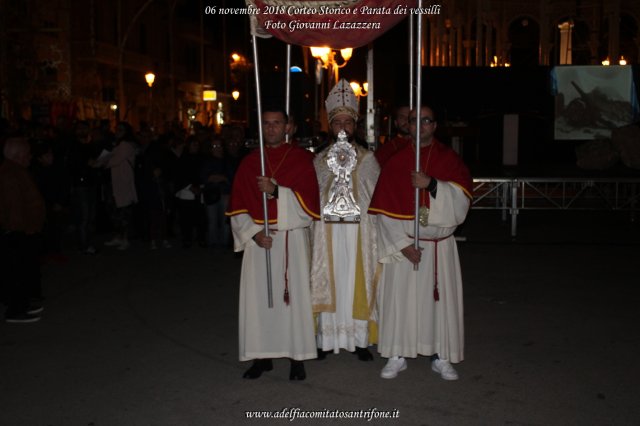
x,y
592,101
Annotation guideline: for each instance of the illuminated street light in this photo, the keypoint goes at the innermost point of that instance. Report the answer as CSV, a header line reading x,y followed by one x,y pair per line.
x,y
360,90
327,59
150,78
235,94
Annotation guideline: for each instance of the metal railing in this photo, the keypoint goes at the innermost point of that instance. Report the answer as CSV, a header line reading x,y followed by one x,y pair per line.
x,y
510,195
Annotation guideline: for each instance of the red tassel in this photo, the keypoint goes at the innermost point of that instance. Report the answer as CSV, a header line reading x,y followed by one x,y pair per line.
x,y
436,294
286,297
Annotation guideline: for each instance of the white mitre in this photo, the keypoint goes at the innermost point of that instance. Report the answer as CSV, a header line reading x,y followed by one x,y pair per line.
x,y
342,100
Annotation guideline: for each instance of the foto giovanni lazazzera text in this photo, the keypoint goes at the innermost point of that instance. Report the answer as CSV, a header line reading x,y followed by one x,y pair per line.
x,y
294,25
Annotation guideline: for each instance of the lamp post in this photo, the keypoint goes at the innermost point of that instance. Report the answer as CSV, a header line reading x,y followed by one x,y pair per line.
x,y
327,59
150,78
239,66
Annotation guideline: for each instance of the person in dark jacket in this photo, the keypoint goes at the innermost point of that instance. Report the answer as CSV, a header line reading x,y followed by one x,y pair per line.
x,y
53,183
189,185
217,175
83,154
22,216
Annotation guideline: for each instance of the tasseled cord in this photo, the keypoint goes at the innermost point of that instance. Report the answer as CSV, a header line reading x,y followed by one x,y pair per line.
x,y
286,268
436,294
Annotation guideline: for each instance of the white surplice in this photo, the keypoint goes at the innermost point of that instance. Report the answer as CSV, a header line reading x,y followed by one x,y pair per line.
x,y
411,322
339,329
284,330
335,257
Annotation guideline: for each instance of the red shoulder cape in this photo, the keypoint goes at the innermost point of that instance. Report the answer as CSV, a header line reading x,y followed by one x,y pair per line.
x,y
394,195
290,166
391,147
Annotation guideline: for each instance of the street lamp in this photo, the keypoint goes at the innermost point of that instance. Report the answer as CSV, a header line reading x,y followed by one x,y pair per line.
x,y
327,59
360,90
150,78
235,94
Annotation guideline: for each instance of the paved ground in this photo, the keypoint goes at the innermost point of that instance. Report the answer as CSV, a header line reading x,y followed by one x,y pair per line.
x,y
150,338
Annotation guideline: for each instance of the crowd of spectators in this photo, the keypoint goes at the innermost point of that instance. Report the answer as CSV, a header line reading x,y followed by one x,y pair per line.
x,y
160,188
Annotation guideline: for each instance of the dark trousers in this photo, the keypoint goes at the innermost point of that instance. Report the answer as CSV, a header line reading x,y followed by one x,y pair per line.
x,y
157,224
122,218
53,231
84,199
192,218
20,266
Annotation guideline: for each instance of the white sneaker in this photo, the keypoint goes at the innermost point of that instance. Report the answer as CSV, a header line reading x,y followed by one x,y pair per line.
x,y
166,244
115,241
393,367
154,246
445,369
124,245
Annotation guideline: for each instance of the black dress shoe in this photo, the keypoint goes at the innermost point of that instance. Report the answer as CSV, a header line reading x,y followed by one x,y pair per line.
x,y
363,354
259,366
297,371
321,354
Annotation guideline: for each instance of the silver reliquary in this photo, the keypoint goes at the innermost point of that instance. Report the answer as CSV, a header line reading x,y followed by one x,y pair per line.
x,y
341,160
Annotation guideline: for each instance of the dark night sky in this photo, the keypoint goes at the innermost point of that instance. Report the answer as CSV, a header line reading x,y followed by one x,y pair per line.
x,y
390,63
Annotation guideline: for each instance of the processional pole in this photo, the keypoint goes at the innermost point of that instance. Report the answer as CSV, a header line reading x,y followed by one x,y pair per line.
x,y
417,106
287,95
262,168
411,55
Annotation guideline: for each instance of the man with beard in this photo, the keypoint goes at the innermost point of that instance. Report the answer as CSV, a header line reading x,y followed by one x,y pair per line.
x,y
344,252
402,138
286,329
421,311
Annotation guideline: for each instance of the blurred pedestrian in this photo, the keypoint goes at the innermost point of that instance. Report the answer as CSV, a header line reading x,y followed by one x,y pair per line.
x,y
53,184
154,190
121,162
216,175
189,185
22,217
84,177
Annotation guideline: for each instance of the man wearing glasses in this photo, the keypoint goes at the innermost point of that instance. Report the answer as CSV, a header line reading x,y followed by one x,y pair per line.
x,y
421,311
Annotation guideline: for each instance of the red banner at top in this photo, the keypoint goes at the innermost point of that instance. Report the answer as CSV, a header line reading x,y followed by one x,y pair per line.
x,y
336,24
